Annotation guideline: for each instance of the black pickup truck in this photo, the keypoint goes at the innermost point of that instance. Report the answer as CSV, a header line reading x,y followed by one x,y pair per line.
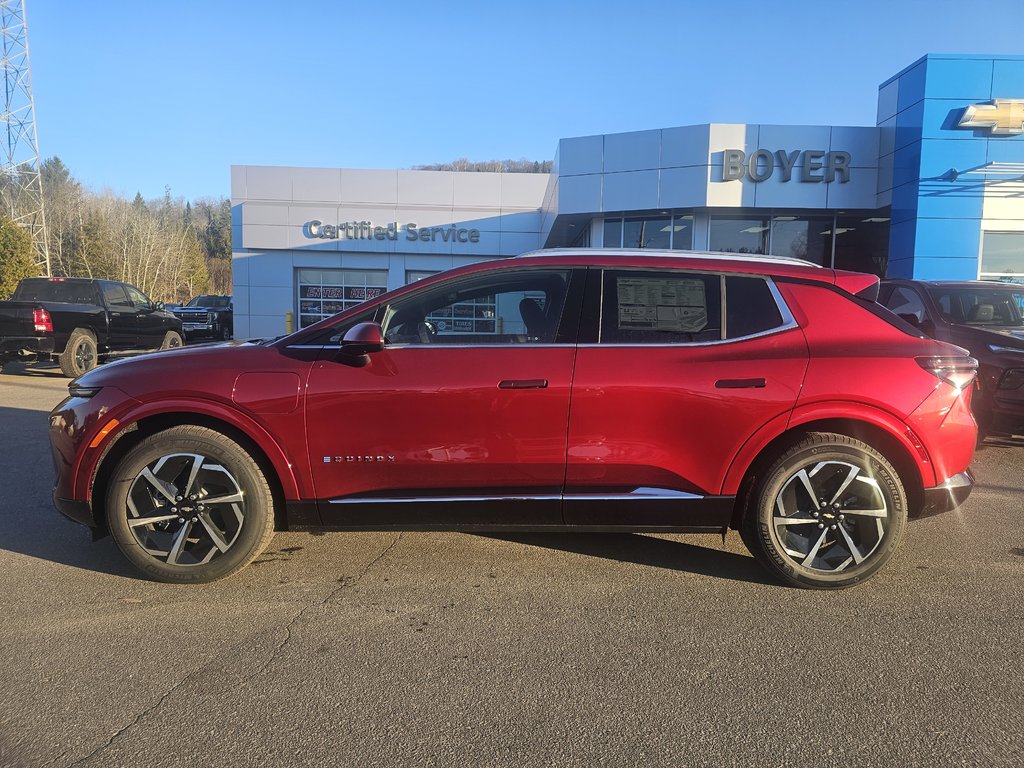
x,y
82,322
207,315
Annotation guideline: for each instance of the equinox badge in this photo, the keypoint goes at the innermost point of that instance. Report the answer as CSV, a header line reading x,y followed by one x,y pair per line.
x,y
364,459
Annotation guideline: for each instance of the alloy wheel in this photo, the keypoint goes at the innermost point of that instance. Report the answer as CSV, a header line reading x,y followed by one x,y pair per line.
x,y
830,515
185,509
84,357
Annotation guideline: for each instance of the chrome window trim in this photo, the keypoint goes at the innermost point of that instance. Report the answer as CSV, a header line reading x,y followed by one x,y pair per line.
x,y
523,345
639,494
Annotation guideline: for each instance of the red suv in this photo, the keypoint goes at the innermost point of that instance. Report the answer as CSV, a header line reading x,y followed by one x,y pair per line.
x,y
573,391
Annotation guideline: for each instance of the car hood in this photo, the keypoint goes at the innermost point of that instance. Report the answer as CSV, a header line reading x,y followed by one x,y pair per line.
x,y
201,370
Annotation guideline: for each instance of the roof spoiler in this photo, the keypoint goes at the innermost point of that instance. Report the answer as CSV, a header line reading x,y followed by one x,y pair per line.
x,y
859,284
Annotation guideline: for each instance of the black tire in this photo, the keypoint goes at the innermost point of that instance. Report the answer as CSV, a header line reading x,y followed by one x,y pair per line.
x,y
846,537
172,340
80,355
183,547
225,333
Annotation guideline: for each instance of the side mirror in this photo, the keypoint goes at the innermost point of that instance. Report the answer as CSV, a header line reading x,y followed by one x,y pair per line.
x,y
159,306
363,339
910,318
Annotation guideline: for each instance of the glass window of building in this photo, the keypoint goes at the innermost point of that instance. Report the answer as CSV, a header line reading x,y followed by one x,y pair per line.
x,y
662,232
415,275
1002,256
803,237
613,233
682,233
326,292
738,235
582,239
862,244
647,233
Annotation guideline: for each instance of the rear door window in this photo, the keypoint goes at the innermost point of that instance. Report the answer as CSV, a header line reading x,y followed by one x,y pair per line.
x,y
114,295
642,307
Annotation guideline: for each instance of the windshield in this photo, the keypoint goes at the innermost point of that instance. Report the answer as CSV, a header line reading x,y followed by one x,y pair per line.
x,y
217,302
1003,307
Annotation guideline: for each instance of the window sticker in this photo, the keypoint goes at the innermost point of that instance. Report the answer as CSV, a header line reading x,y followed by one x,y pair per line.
x,y
662,304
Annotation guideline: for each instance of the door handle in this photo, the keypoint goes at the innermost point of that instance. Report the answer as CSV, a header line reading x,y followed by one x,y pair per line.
x,y
523,384
740,384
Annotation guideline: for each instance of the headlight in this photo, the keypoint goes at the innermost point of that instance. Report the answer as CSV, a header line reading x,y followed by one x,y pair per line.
x,y
1005,350
79,390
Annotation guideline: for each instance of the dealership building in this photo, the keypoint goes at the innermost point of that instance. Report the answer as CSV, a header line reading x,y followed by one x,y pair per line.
x,y
933,190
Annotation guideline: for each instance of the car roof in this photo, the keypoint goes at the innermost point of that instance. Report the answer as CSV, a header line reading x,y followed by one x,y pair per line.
x,y
657,258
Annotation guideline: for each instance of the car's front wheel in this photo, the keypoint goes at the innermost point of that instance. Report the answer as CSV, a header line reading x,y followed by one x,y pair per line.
x,y
189,505
827,513
172,340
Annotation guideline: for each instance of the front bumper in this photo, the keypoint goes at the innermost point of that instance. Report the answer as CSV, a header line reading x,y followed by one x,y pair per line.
x,y
76,511
947,496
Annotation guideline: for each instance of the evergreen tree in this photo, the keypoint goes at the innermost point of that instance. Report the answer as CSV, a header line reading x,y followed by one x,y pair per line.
x,y
16,257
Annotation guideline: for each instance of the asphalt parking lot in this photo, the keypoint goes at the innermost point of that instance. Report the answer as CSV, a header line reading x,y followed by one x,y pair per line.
x,y
453,649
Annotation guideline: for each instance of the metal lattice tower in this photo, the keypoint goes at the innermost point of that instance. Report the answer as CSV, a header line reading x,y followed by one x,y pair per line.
x,y
20,183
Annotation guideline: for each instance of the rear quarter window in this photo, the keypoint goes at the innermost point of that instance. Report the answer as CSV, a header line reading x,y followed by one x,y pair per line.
x,y
750,307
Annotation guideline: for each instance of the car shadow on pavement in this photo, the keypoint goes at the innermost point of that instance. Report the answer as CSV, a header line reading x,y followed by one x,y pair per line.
x,y
41,370
650,551
29,523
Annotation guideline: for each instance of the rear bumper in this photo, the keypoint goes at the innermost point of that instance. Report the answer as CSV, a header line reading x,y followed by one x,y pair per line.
x,y
36,345
947,496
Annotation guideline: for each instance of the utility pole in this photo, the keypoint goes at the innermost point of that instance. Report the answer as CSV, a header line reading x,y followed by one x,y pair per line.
x,y
20,183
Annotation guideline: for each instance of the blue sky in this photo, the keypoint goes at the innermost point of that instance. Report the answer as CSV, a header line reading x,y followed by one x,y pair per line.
x,y
136,95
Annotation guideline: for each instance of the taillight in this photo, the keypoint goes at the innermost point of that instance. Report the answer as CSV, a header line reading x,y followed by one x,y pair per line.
x,y
956,371
41,321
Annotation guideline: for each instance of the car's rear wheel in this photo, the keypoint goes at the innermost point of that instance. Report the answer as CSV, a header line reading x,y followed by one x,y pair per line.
x,y
80,354
172,340
189,505
828,513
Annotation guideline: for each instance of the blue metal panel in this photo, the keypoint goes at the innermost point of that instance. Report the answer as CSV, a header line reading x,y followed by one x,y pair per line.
x,y
904,203
900,268
901,240
938,156
947,237
958,79
1008,78
907,165
911,88
908,125
960,268
943,199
